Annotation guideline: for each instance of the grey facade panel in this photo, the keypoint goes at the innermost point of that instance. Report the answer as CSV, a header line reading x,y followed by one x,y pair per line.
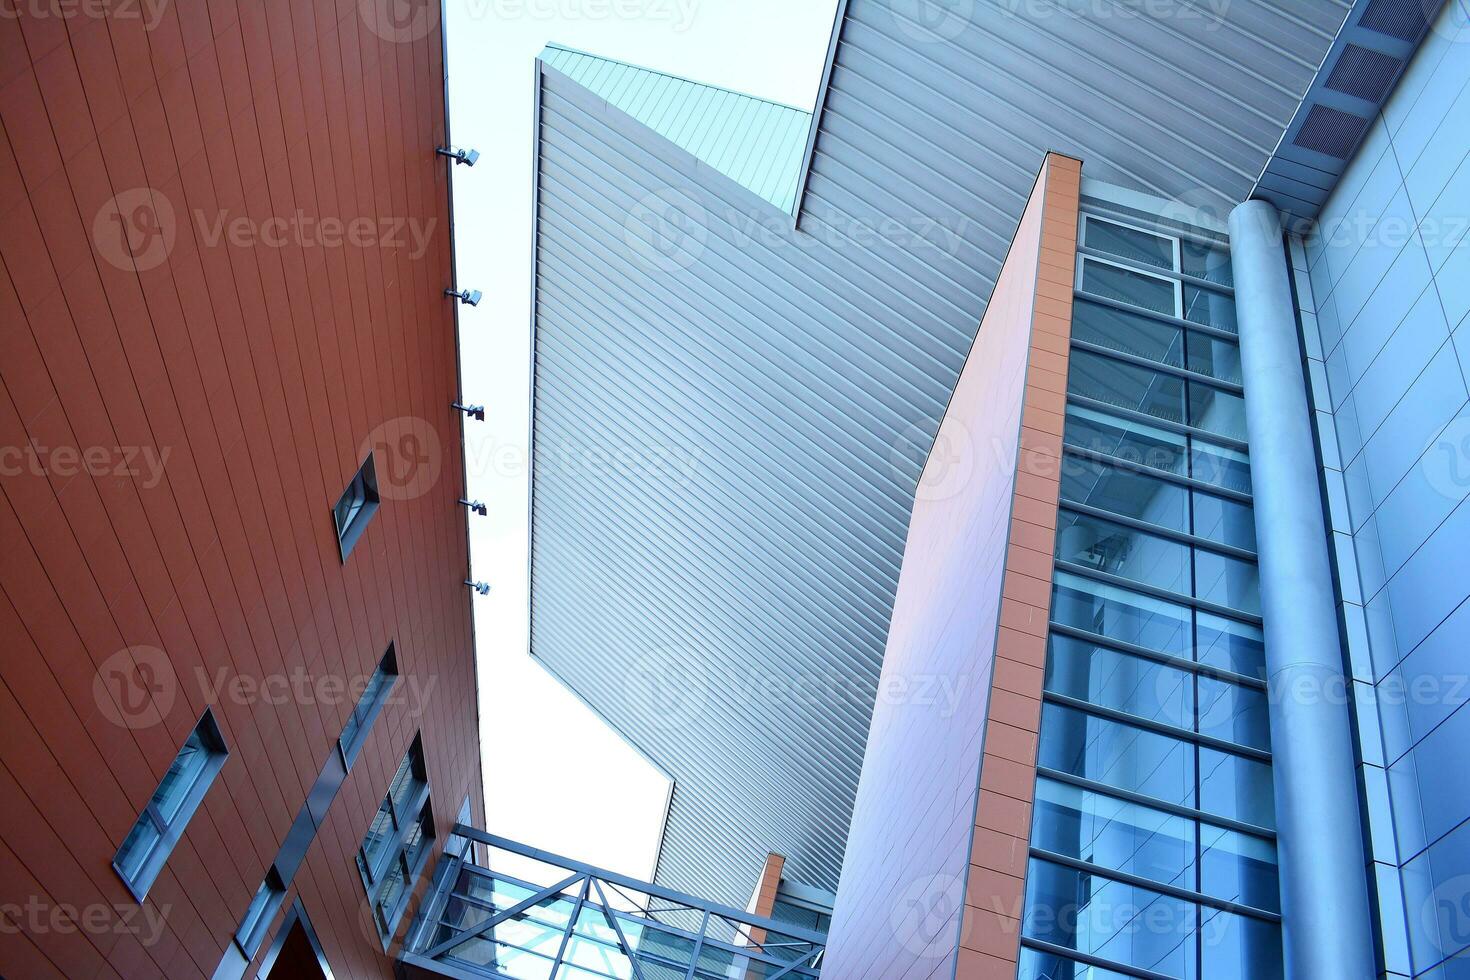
x,y
731,414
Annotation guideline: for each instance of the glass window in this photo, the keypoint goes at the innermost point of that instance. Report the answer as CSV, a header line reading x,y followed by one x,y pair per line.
x,y
1239,868
1115,754
159,827
1110,611
1129,243
1149,292
1225,581
1130,441
1215,356
1129,333
1231,645
1114,834
1123,551
1226,521
1109,919
1036,965
1127,386
1121,681
1217,411
1126,492
1236,947
398,842
1228,468
374,696
1233,713
1237,788
356,507
1209,262
1210,308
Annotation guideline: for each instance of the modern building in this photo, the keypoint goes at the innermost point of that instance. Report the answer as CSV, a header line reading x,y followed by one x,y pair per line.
x,y
1044,527
236,654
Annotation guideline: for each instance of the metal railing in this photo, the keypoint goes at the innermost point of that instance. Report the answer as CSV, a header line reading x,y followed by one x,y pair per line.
x,y
478,923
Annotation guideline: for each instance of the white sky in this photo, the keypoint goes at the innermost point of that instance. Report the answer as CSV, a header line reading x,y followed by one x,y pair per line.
x,y
555,776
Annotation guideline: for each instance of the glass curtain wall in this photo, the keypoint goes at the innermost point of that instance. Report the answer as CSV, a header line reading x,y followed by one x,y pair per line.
x,y
1153,848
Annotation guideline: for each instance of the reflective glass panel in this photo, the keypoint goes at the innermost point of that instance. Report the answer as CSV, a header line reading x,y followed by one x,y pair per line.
x,y
1235,947
1231,645
1129,333
1036,965
1130,441
1123,551
1228,468
1114,834
1128,286
1226,521
1231,582
1126,492
1120,681
1129,243
1217,411
1127,386
1116,754
1239,868
1108,610
1209,262
1215,356
1108,919
1237,788
1209,307
1234,713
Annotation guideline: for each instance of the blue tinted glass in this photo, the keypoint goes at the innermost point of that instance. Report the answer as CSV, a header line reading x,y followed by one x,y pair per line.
x,y
1130,333
1036,965
1215,356
1226,521
1208,262
1231,645
1127,386
1111,920
1236,788
1226,581
1223,467
1217,411
1210,308
1140,289
1126,492
1129,243
1116,754
1233,713
1123,551
1114,834
1133,442
1108,610
1235,947
1239,868
1120,681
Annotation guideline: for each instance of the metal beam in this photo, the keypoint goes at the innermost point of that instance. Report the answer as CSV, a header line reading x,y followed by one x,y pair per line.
x,y
516,909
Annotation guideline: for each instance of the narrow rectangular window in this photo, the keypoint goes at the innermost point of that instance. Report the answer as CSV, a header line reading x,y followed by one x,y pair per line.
x,y
159,827
374,696
398,843
263,907
356,507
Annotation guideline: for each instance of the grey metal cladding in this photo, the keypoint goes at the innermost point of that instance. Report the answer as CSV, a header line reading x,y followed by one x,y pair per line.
x,y
731,414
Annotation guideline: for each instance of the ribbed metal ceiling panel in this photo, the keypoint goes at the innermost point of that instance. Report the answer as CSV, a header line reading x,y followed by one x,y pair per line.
x,y
729,428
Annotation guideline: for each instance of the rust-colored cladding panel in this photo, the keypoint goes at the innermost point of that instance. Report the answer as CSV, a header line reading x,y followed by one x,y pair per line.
x,y
224,239
935,870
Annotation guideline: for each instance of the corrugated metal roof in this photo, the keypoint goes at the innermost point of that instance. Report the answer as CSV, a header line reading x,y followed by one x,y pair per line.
x,y
731,414
755,142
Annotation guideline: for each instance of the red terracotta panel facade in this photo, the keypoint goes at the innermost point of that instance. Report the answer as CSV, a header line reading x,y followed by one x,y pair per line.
x,y
223,243
932,882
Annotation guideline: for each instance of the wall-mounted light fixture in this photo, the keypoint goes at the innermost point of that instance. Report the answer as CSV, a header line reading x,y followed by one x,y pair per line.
x,y
481,587
476,506
476,412
469,297
466,157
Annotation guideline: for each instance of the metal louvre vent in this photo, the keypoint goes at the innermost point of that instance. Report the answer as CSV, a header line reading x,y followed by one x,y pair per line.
x,y
1403,19
1364,73
1330,131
